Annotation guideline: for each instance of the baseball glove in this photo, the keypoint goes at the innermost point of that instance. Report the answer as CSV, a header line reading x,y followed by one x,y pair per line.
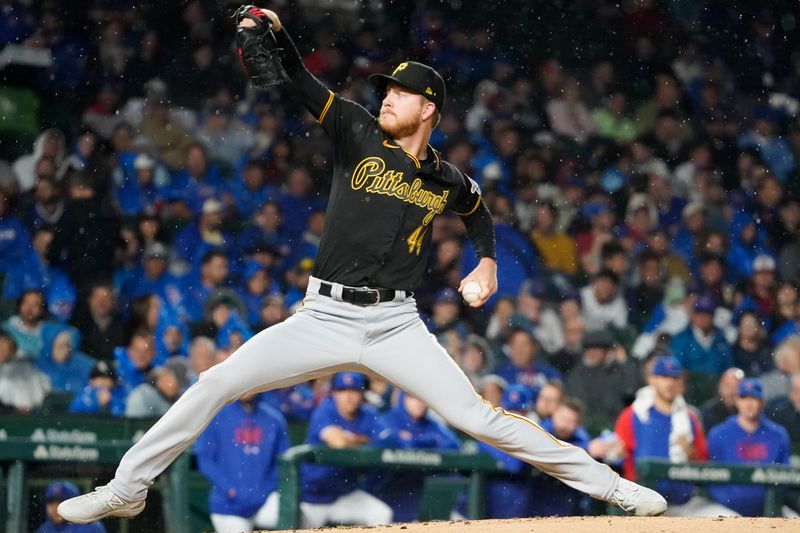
x,y
258,48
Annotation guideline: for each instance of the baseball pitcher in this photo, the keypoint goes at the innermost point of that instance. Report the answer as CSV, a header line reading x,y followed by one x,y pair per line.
x,y
359,313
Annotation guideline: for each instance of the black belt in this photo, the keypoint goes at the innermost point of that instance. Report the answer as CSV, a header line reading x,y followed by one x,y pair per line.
x,y
360,296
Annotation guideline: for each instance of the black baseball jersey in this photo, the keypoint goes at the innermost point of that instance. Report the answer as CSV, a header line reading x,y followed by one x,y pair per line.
x,y
383,199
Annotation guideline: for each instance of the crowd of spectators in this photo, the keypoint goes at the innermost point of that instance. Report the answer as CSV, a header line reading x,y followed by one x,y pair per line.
x,y
640,161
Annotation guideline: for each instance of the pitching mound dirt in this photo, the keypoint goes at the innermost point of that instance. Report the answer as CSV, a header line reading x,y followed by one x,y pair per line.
x,y
598,524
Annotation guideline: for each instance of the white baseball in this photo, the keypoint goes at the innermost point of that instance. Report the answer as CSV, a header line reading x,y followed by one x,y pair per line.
x,y
471,291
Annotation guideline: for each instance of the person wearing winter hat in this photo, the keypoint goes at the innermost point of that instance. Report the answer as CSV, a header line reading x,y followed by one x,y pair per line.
x,y
702,347
102,395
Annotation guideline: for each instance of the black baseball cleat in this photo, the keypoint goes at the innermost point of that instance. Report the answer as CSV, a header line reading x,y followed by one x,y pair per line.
x,y
636,499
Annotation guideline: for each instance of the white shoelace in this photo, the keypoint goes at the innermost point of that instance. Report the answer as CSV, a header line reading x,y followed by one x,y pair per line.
x,y
113,502
626,497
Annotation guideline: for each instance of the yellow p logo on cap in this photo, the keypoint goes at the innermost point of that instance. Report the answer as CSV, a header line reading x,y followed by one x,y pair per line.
x,y
400,67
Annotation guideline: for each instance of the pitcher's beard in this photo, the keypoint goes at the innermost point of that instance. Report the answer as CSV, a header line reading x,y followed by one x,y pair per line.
x,y
400,129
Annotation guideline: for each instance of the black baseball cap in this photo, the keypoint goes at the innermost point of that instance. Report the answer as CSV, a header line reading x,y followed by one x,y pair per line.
x,y
598,339
102,369
417,77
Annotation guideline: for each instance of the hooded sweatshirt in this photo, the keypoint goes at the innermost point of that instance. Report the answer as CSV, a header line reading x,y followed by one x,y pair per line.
x,y
25,167
72,374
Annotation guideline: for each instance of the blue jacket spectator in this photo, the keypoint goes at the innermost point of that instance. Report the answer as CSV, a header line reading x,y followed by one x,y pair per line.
x,y
748,437
523,368
257,284
353,424
192,242
445,316
307,244
701,347
489,165
212,277
669,215
414,429
251,191
238,453
34,272
152,277
172,337
15,240
693,224
297,282
136,360
298,200
295,403
342,421
711,277
233,333
265,229
773,148
174,298
748,240
61,295
139,183
102,395
198,182
67,368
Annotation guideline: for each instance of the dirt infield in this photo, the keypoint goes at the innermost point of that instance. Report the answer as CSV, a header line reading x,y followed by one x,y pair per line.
x,y
598,524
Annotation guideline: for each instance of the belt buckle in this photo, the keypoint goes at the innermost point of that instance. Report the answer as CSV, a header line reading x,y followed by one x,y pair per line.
x,y
377,294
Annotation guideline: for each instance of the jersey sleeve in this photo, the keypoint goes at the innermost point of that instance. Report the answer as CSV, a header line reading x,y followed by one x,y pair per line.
x,y
467,197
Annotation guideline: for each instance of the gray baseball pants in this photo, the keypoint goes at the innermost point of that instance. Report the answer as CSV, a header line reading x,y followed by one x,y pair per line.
x,y
327,335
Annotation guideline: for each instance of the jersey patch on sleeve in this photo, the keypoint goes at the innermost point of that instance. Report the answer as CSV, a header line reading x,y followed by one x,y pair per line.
x,y
474,187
